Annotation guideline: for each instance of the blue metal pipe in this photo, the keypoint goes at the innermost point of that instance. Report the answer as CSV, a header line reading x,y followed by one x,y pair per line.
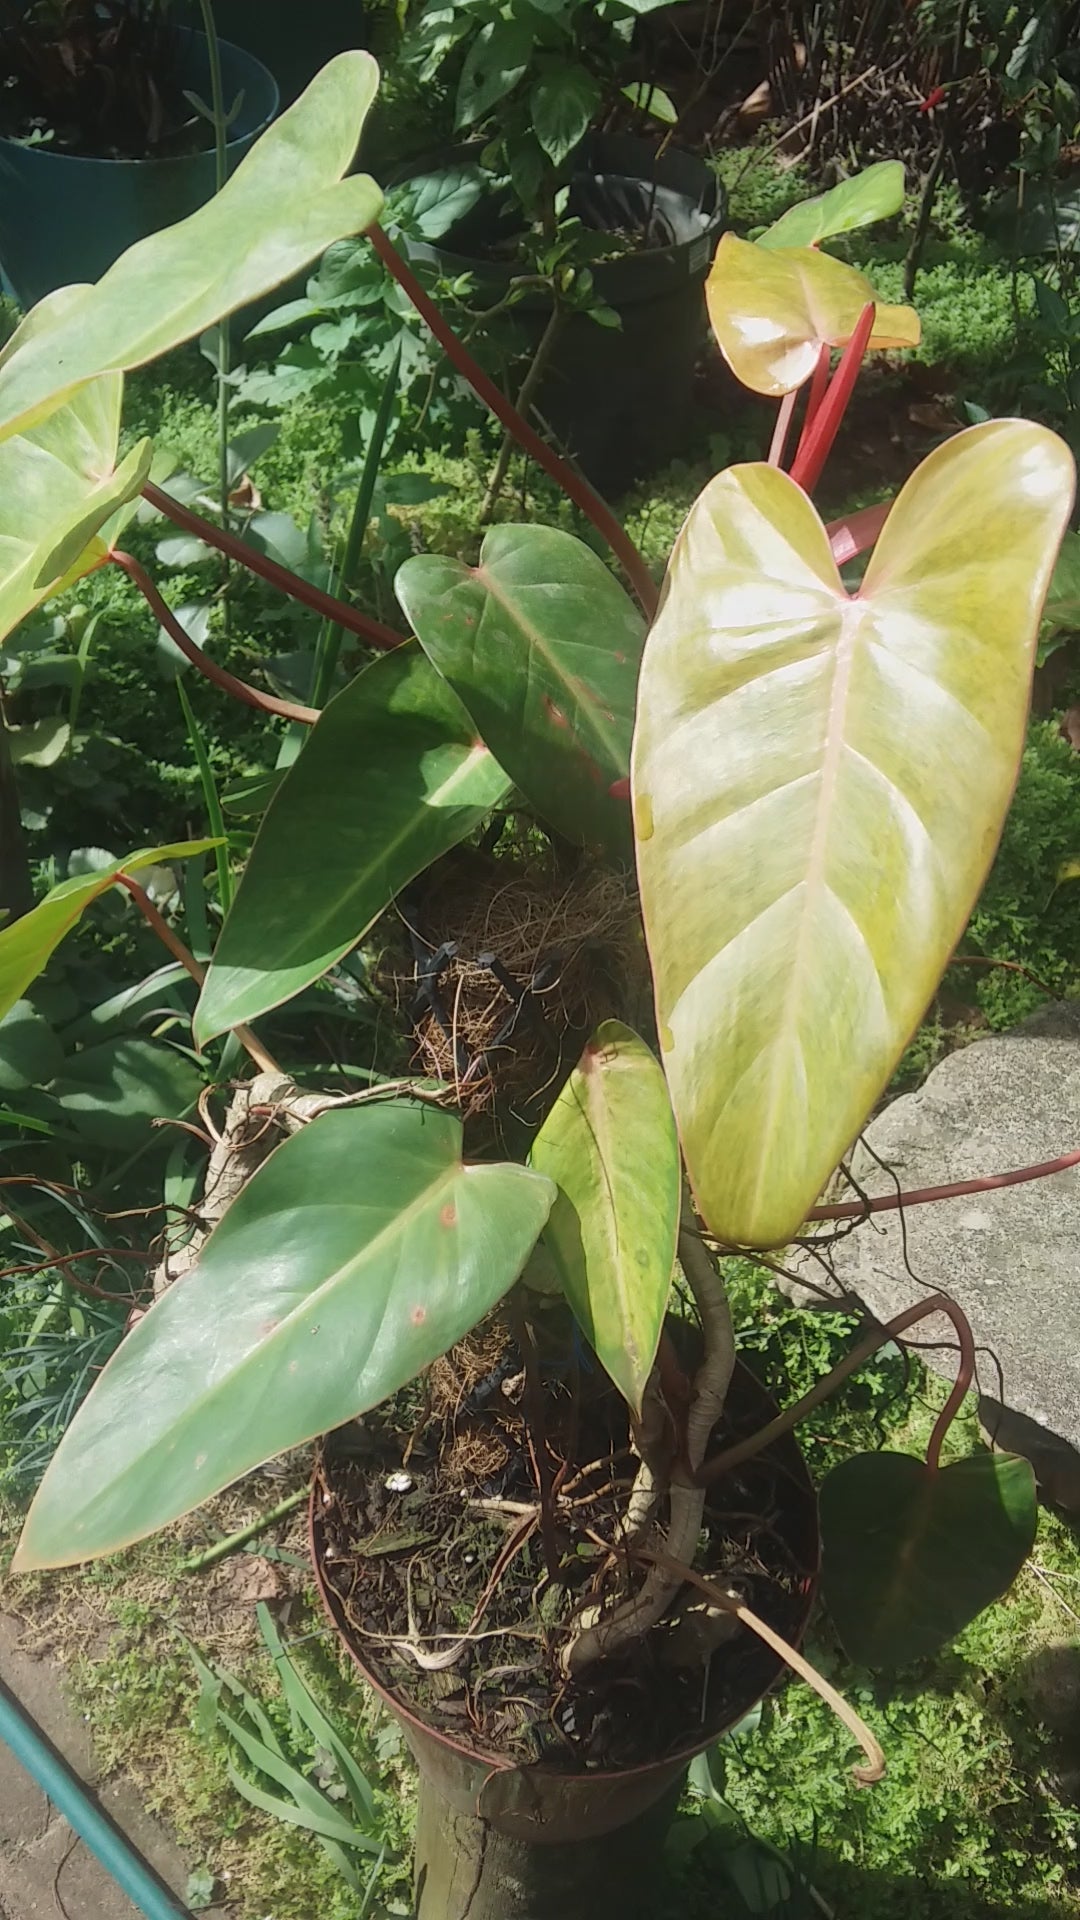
x,y
69,1796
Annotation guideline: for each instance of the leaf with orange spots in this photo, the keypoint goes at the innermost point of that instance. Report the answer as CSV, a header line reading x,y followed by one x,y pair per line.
x,y
543,647
356,1254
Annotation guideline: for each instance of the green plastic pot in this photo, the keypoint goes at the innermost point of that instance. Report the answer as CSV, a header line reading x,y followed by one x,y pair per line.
x,y
294,40
65,218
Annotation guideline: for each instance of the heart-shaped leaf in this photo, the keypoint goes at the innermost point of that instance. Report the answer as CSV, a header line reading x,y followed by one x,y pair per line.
x,y
610,1146
281,209
391,777
60,483
911,1555
543,646
356,1254
773,310
871,195
819,785
26,947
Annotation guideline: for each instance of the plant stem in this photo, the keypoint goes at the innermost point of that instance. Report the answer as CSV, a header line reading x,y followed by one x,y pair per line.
x,y
870,1344
273,573
856,531
857,1727
253,1047
526,395
220,676
952,1190
819,432
534,1406
574,485
221,171
16,883
222,1548
330,640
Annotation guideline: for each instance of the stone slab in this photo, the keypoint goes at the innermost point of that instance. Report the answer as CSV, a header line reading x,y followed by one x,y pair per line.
x,y
1010,1257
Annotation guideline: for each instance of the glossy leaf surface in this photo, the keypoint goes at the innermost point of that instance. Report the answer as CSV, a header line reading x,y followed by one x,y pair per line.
x,y
358,1252
391,777
284,205
819,785
874,194
27,946
772,311
911,1557
610,1146
60,483
543,646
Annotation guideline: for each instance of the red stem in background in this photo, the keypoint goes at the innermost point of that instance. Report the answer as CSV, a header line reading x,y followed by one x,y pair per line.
x,y
172,941
856,531
783,425
574,485
819,381
953,1190
276,575
965,1374
250,696
819,434
870,1344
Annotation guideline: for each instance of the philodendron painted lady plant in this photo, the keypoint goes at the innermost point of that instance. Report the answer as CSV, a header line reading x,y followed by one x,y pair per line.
x,y
808,780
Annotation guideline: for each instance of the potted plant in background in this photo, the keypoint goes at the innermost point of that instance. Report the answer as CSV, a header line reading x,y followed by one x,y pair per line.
x,y
101,139
294,41
594,240
810,796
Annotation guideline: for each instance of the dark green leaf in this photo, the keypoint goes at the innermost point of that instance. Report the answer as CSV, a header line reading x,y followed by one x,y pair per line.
x,y
543,646
355,1255
912,1556
112,1092
563,102
391,777
30,1053
493,66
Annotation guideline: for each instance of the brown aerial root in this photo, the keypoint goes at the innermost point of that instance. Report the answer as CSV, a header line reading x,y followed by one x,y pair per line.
x,y
542,951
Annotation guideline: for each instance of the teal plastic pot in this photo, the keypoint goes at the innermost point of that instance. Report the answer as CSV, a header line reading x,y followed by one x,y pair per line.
x,y
294,40
65,218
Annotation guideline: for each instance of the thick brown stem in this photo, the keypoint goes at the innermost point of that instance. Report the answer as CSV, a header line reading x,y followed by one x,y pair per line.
x,y
604,1636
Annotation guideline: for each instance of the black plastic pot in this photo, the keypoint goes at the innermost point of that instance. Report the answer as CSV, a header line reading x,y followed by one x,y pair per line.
x,y
65,218
509,1842
294,40
621,399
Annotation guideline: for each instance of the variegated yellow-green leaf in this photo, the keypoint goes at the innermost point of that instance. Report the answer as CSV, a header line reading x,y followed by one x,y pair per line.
x,y
819,783
59,485
27,946
284,205
609,1144
773,310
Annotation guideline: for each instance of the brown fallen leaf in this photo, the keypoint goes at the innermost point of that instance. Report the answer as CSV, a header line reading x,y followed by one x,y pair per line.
x,y
251,1578
1070,727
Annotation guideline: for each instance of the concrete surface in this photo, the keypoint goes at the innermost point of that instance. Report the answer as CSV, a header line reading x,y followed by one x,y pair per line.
x,y
46,1873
